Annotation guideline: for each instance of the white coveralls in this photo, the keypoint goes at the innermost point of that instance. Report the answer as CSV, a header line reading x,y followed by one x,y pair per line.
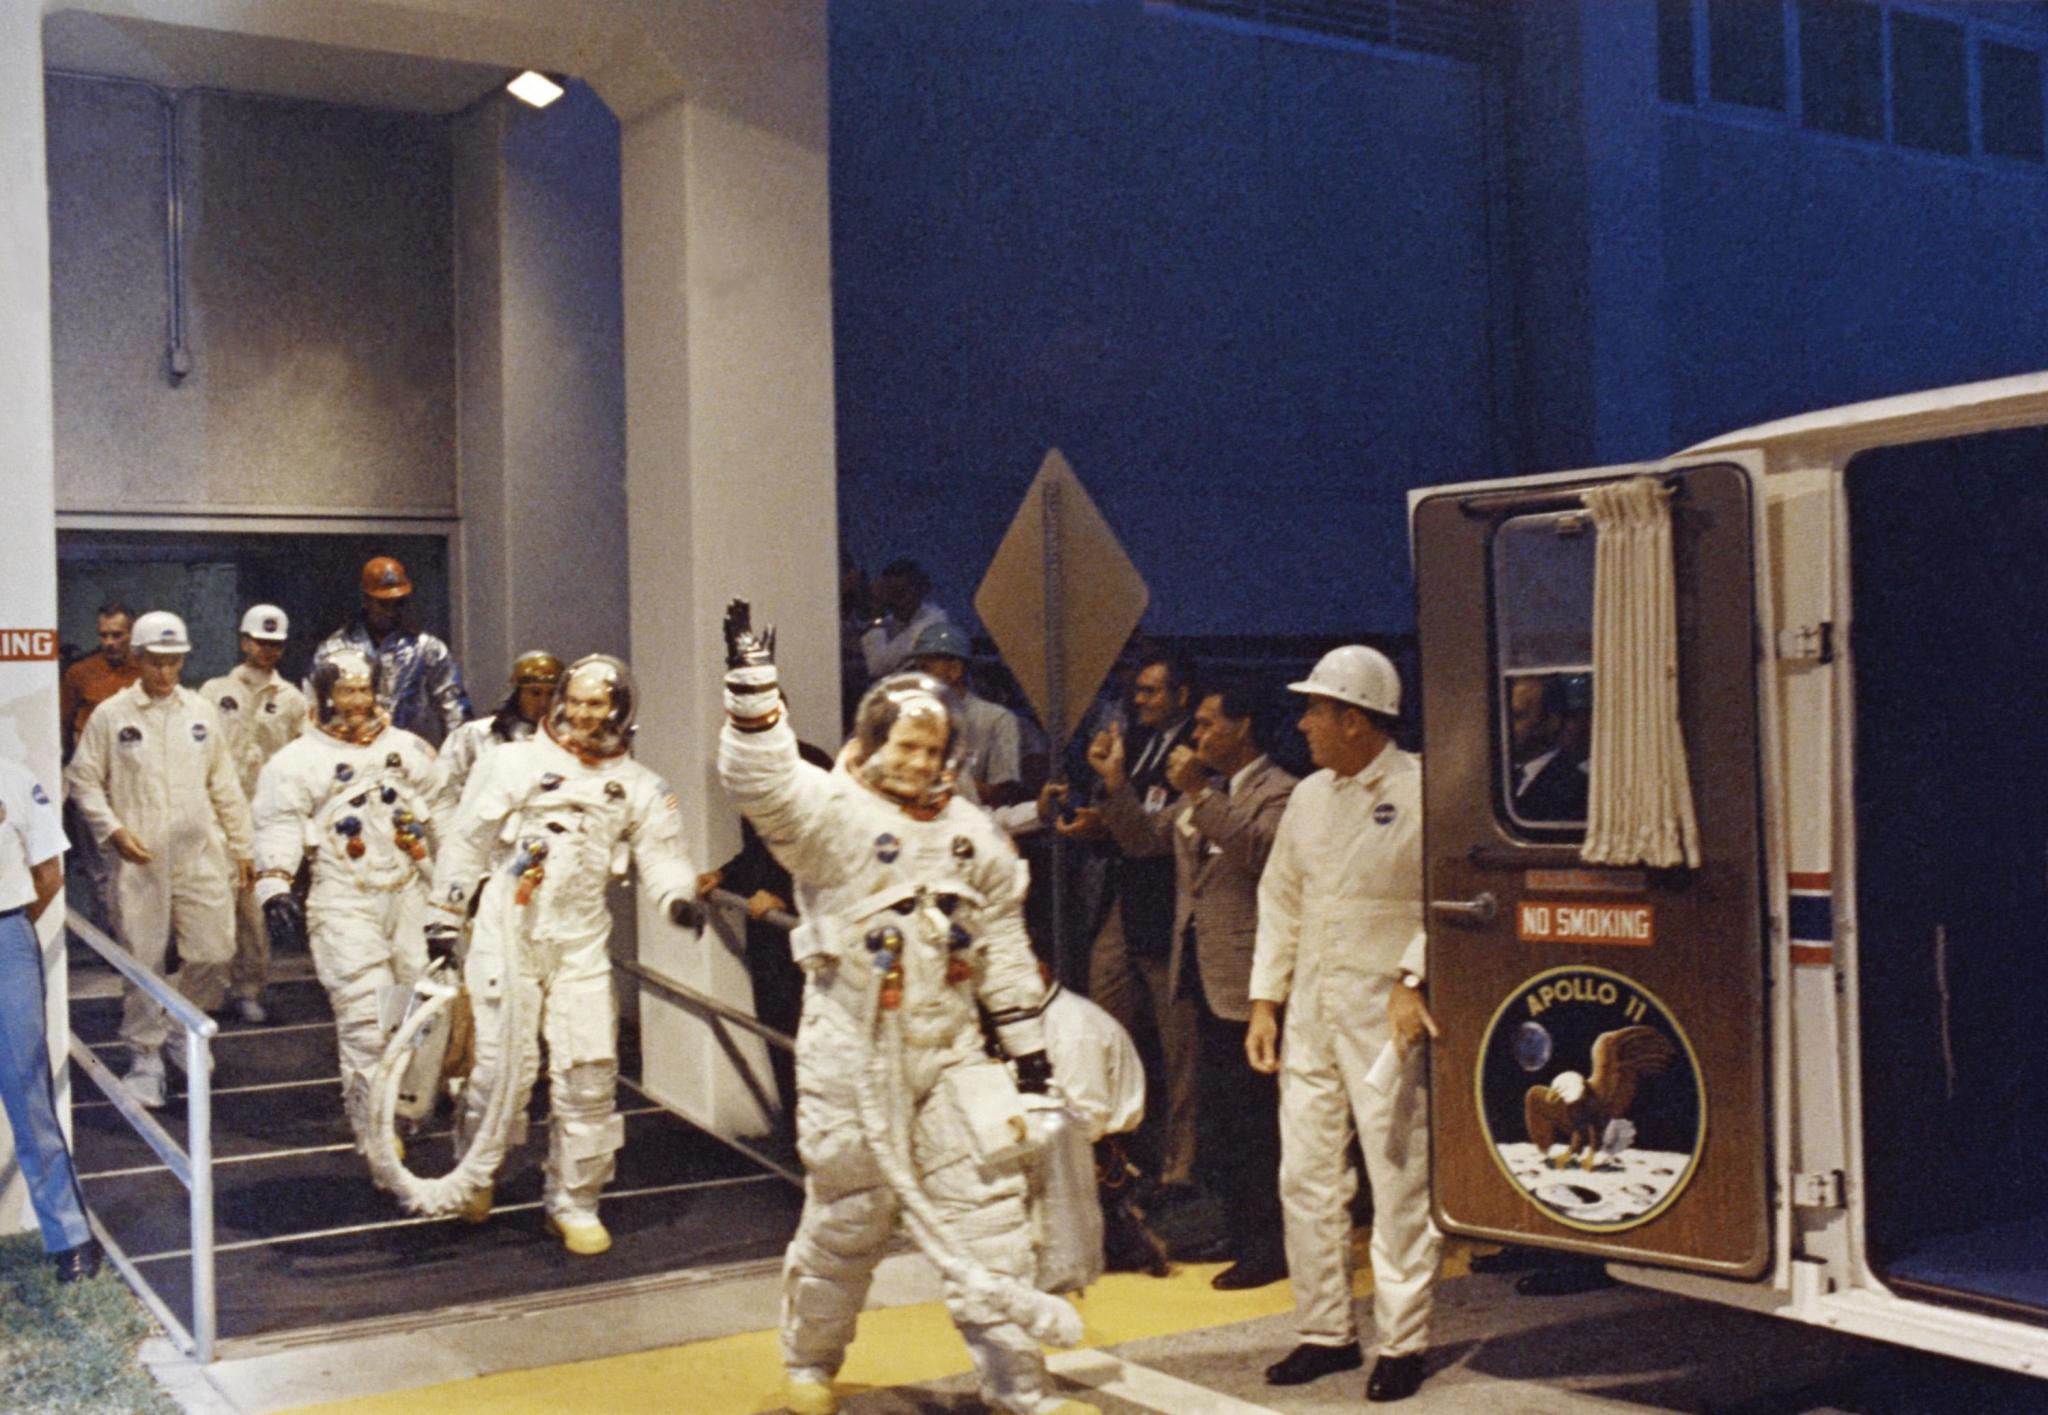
x,y
259,713
551,831
319,796
854,857
1096,1063
1340,917
160,768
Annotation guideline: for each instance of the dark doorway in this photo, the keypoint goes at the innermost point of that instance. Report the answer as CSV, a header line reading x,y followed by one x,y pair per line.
x,y
1949,572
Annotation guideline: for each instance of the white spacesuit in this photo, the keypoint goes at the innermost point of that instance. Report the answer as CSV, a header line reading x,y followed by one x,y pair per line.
x,y
534,675
154,781
353,793
912,909
548,823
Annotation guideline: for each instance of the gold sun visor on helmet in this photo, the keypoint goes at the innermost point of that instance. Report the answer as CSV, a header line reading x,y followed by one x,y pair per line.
x,y
536,666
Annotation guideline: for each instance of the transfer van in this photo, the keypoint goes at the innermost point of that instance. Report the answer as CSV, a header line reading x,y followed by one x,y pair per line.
x,y
1737,866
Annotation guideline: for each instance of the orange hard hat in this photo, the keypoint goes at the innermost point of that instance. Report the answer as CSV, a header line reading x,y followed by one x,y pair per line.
x,y
384,578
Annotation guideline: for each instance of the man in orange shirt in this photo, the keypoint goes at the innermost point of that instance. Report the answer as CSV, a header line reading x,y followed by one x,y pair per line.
x,y
97,677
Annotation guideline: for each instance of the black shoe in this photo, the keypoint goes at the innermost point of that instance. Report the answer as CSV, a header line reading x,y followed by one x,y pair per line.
x,y
77,1264
1564,1280
1512,1260
1215,1248
1395,1377
1257,1270
1310,1362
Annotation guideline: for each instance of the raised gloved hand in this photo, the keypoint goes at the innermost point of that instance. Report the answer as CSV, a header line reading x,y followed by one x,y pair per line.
x,y
1034,1073
753,695
443,938
686,914
284,920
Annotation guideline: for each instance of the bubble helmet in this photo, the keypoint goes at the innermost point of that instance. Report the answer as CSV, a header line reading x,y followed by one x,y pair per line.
x,y
907,741
574,718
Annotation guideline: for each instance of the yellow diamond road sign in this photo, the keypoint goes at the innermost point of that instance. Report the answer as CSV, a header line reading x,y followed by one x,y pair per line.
x,y
1060,598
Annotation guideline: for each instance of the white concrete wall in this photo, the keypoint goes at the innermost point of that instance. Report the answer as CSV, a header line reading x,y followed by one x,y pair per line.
x,y
318,298
543,431
28,542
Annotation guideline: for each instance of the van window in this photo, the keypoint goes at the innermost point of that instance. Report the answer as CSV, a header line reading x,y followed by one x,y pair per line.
x,y
1543,649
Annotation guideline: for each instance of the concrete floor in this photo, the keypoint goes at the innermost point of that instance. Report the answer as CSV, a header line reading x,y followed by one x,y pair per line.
x,y
1620,1348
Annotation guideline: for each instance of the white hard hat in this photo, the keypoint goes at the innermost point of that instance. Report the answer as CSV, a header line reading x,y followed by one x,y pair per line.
x,y
266,621
1357,675
160,631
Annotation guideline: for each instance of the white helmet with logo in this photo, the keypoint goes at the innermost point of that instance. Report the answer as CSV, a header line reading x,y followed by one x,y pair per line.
x,y
161,631
1357,675
266,622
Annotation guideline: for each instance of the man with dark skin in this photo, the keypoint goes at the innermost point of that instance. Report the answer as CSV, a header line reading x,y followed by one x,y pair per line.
x,y
418,682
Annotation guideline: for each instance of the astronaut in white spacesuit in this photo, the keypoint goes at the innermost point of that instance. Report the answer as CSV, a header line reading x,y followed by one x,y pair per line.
x,y
912,923
354,793
547,823
534,675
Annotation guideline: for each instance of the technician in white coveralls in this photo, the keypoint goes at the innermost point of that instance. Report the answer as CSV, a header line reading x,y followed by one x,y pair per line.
x,y
1340,942
547,823
353,793
155,783
259,712
912,905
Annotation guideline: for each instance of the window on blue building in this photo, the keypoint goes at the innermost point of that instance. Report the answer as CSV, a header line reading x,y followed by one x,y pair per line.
x,y
1930,84
1746,53
2010,82
1841,67
1674,51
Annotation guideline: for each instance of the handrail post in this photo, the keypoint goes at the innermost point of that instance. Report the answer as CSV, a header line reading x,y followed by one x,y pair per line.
x,y
199,1138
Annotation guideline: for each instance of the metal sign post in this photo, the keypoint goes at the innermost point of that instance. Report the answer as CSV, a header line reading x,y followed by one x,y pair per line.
x,y
1060,599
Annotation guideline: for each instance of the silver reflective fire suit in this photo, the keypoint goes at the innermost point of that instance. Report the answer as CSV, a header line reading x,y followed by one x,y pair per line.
x,y
550,830
418,681
363,812
1340,918
463,747
862,866
160,768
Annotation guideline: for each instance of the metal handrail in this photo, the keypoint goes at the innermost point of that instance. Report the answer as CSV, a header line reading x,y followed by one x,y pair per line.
x,y
682,992
194,1169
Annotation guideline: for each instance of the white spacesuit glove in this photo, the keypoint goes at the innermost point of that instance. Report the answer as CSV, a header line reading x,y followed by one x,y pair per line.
x,y
753,693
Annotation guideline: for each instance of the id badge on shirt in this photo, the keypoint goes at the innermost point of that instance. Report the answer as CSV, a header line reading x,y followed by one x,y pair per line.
x,y
1155,800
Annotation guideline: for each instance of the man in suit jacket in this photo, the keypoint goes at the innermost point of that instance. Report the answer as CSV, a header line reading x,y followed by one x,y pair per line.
x,y
1231,798
1127,967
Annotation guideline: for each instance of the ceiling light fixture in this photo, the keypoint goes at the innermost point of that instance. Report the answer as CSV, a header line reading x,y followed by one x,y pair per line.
x,y
535,89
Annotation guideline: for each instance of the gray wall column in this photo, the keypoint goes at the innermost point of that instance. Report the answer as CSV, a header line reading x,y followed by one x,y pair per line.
x,y
730,488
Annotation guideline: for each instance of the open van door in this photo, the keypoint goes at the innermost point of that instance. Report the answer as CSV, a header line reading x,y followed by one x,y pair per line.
x,y
1601,1082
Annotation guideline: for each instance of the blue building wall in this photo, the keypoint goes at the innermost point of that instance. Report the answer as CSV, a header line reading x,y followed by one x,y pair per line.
x,y
1256,284
1241,282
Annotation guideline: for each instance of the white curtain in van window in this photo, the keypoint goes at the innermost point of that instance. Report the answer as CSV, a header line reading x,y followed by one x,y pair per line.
x,y
1639,807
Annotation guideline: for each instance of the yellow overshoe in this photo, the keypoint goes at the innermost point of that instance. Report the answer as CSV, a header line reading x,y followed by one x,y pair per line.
x,y
584,1237
1076,1407
809,1397
477,1207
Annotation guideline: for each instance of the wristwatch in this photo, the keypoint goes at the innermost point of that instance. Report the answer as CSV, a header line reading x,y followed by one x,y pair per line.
x,y
1411,980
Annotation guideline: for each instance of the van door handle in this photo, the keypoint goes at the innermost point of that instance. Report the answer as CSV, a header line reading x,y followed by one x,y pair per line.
x,y
1481,908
